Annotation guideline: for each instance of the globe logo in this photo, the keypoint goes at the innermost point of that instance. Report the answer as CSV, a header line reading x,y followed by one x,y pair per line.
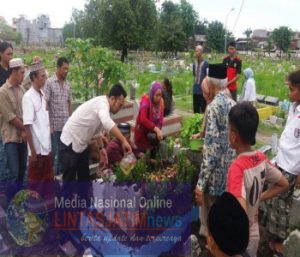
x,y
27,218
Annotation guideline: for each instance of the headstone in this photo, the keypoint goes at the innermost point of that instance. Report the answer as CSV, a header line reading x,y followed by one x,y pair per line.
x,y
279,122
272,100
187,90
260,98
273,119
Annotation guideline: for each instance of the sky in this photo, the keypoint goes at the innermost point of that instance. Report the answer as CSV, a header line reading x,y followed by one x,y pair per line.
x,y
255,14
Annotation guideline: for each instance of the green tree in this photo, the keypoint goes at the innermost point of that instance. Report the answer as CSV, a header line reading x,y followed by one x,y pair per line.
x,y
120,24
248,33
189,18
215,36
282,37
146,20
87,62
201,27
8,33
171,35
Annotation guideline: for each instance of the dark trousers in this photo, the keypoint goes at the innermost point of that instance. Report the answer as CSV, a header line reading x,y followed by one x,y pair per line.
x,y
199,103
55,142
74,165
76,174
233,94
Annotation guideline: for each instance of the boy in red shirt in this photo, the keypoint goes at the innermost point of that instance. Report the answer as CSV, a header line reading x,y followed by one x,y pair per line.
x,y
234,69
248,173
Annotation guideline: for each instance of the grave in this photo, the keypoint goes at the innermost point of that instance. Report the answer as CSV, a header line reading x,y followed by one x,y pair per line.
x,y
271,100
125,114
260,98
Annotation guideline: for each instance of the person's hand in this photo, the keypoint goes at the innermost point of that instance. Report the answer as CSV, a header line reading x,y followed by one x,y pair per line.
x,y
23,136
103,158
126,147
298,182
202,134
159,134
195,136
33,159
141,155
199,197
100,79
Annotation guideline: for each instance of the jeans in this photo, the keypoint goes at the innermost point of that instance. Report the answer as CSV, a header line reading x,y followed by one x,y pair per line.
x,y
16,160
55,141
4,171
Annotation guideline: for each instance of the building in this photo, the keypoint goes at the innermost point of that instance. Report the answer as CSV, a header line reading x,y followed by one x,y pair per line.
x,y
200,40
260,38
38,32
295,43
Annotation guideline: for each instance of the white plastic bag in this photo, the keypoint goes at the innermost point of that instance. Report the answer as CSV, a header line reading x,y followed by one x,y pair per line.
x,y
127,163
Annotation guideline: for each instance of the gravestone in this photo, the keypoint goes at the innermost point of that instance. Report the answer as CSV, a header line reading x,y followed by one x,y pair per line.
x,y
260,98
271,100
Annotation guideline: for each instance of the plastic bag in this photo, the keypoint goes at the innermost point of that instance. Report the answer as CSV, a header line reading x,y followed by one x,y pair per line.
x,y
127,163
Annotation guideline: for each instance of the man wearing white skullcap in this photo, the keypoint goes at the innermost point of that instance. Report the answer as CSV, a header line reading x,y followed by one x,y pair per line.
x,y
13,130
37,126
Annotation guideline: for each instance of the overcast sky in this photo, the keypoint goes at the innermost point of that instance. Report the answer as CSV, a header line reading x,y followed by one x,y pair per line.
x,y
266,14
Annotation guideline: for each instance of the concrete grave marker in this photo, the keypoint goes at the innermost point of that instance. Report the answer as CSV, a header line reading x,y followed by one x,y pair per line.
x,y
260,98
272,100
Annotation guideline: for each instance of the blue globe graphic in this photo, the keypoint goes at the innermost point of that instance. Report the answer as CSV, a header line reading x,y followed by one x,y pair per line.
x,y
27,218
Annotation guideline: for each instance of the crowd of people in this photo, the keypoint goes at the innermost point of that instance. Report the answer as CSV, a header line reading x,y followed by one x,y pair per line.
x,y
42,135
231,165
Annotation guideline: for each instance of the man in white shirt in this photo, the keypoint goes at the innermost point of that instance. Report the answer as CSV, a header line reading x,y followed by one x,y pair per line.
x,y
288,162
86,122
37,127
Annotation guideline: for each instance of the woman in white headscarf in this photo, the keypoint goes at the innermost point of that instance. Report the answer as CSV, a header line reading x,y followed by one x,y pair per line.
x,y
249,88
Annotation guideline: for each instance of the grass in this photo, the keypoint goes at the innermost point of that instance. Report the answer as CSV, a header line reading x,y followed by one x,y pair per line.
x,y
268,130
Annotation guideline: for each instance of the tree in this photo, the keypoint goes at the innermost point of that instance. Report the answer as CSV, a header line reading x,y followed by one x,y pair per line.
x,y
8,33
120,24
201,27
215,36
282,37
189,18
171,35
248,33
87,62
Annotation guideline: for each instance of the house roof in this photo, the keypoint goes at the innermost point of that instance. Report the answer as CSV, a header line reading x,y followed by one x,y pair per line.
x,y
261,33
200,38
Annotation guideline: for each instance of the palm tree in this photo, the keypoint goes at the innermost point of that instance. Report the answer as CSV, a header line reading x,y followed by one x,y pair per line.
x,y
248,33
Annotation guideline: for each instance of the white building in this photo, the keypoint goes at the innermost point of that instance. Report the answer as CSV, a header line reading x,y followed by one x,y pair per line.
x,y
39,31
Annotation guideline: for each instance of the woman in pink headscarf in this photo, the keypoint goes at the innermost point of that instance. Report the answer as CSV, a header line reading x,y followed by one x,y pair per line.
x,y
149,121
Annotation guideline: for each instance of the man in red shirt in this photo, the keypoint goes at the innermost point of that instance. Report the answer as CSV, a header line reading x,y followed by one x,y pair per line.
x,y
234,69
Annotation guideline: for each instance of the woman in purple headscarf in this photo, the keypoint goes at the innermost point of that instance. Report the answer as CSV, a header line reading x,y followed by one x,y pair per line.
x,y
148,125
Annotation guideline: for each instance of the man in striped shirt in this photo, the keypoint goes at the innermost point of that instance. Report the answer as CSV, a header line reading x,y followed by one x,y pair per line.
x,y
58,97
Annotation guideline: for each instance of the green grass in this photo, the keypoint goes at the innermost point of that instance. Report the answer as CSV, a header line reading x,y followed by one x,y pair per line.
x,y
269,73
268,130
184,103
